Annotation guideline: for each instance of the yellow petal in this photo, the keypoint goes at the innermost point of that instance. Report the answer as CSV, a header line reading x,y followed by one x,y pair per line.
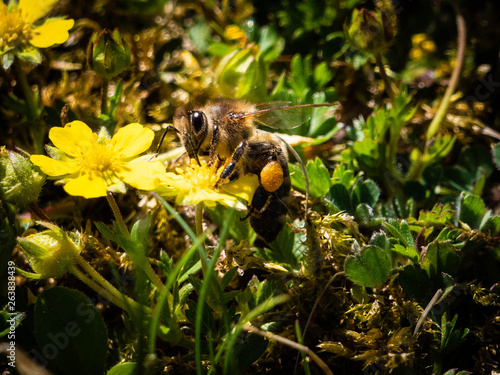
x,y
33,10
132,139
74,138
53,167
53,31
244,187
87,186
144,175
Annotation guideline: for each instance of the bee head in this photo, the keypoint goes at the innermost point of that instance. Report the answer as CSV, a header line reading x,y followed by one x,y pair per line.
x,y
193,128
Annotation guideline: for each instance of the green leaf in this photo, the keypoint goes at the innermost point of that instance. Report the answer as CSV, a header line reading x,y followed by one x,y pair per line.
x,y
287,248
440,214
439,257
339,197
318,175
207,320
407,251
471,210
70,331
401,231
492,226
127,368
30,54
249,351
370,268
365,192
414,281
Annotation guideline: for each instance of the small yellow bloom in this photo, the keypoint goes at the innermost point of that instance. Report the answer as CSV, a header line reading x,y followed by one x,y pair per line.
x,y
90,165
422,46
196,184
19,27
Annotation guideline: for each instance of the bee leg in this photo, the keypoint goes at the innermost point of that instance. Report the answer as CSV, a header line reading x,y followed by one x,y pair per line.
x,y
213,146
163,136
230,169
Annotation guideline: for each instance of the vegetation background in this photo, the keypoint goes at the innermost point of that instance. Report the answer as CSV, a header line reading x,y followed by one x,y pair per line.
x,y
397,268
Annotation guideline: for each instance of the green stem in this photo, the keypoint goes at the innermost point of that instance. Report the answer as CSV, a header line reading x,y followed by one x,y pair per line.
x,y
153,276
37,131
97,288
105,285
199,232
116,213
455,76
28,93
104,96
155,279
385,78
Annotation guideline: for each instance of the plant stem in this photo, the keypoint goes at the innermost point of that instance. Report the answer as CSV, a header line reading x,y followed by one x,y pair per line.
x,y
199,232
271,336
104,96
37,131
104,285
116,212
385,78
455,76
153,276
28,93
36,210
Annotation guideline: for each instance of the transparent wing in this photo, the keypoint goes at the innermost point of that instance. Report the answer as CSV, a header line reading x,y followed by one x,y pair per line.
x,y
279,115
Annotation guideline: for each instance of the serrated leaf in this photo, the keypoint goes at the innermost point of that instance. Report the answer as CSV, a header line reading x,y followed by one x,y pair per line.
x,y
339,197
318,175
440,214
492,226
439,257
365,192
471,210
370,268
401,231
407,251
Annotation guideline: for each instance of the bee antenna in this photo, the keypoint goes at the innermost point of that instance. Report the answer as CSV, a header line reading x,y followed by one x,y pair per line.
x,y
164,134
304,171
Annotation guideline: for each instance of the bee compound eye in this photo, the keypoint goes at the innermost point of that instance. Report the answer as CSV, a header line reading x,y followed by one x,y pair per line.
x,y
197,120
271,176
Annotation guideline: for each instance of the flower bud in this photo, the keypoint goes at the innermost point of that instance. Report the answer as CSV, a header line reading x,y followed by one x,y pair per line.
x,y
370,32
51,253
20,181
108,54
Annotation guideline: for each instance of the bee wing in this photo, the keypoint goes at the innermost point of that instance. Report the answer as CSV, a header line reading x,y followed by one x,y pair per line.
x,y
279,115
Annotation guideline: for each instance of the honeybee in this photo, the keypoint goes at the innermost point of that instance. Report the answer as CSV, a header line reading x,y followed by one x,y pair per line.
x,y
225,131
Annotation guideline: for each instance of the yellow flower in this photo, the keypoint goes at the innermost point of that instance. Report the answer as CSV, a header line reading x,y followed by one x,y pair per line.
x,y
196,184
422,46
19,27
90,164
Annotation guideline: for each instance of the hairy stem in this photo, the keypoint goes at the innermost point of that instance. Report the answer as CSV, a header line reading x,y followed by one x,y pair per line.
x,y
199,232
385,78
455,76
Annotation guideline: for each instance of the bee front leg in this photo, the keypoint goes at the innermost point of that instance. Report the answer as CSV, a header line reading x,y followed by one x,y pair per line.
x,y
235,158
213,156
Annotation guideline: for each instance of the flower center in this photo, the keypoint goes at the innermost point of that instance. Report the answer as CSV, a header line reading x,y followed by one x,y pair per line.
x,y
13,28
201,177
99,159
